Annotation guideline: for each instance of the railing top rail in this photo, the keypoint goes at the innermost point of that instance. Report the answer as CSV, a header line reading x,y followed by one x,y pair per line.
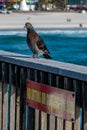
x,y
51,66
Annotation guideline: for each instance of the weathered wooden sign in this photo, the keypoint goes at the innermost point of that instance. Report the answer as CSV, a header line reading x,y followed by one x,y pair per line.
x,y
58,102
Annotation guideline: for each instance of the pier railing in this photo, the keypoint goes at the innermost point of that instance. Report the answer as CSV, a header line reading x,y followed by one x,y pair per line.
x,y
15,114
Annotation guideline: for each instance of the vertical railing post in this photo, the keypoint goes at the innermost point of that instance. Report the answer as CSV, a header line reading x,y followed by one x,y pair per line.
x,y
68,124
21,99
3,78
27,118
37,112
60,123
84,107
4,96
30,112
43,114
0,95
15,77
77,121
51,117
27,107
9,94
17,98
8,109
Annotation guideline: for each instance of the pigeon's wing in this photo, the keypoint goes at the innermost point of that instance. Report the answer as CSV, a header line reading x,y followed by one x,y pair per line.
x,y
31,39
41,45
32,36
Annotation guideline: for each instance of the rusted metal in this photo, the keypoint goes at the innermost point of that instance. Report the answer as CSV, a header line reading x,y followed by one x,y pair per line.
x,y
52,100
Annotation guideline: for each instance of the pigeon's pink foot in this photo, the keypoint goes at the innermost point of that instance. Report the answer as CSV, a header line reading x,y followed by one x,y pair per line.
x,y
33,56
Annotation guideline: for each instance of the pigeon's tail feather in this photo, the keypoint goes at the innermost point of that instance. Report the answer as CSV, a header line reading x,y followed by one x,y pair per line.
x,y
47,56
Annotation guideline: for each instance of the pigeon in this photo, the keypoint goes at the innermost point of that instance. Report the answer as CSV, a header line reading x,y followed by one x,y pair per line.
x,y
36,43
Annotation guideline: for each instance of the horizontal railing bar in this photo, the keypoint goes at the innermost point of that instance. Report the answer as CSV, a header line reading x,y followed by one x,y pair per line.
x,y
60,68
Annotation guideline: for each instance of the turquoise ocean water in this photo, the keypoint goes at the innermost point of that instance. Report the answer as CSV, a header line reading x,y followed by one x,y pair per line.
x,y
64,45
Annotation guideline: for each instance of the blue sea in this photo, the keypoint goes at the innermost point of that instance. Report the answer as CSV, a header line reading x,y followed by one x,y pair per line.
x,y
64,45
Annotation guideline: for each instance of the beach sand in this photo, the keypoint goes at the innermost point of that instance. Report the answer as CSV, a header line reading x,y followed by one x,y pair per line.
x,y
41,20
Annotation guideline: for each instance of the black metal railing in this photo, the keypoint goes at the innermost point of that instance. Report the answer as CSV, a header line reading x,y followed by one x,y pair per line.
x,y
15,114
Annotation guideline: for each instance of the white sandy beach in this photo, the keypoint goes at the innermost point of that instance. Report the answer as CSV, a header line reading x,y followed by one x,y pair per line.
x,y
42,20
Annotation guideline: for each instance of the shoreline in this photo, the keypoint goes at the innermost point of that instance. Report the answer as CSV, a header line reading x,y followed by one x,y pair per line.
x,y
44,20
